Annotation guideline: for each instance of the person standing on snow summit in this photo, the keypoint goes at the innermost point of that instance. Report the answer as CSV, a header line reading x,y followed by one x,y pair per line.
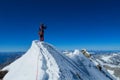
x,y
41,32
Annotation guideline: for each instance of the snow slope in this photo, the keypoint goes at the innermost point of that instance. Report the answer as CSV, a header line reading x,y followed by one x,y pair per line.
x,y
44,62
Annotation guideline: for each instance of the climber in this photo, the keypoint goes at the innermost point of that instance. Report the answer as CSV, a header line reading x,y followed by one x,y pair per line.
x,y
41,32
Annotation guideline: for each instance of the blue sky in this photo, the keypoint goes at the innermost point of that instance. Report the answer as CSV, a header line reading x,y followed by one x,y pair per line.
x,y
90,24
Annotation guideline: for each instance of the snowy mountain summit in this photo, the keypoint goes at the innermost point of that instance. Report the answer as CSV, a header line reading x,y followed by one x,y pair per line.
x,y
44,62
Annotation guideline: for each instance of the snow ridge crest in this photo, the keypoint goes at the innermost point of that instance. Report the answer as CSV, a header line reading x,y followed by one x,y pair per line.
x,y
44,62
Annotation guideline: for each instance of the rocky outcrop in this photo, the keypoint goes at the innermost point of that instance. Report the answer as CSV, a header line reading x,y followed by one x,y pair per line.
x,y
2,74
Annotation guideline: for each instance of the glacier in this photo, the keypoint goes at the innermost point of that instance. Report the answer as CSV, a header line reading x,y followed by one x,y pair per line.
x,y
44,62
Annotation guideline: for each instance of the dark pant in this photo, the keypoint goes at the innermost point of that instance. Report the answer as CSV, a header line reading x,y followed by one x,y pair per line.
x,y
41,37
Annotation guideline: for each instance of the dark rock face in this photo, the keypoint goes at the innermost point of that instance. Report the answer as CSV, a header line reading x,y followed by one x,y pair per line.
x,y
2,74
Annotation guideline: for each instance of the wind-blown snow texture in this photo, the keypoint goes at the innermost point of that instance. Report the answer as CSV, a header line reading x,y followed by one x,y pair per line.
x,y
44,62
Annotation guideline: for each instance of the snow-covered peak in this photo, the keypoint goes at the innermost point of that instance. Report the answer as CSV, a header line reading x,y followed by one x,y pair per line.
x,y
44,62
76,52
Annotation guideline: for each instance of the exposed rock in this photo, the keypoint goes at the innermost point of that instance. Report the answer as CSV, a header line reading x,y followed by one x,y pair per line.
x,y
2,74
84,51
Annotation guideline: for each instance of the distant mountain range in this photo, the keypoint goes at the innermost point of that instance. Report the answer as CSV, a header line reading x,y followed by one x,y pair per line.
x,y
8,57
